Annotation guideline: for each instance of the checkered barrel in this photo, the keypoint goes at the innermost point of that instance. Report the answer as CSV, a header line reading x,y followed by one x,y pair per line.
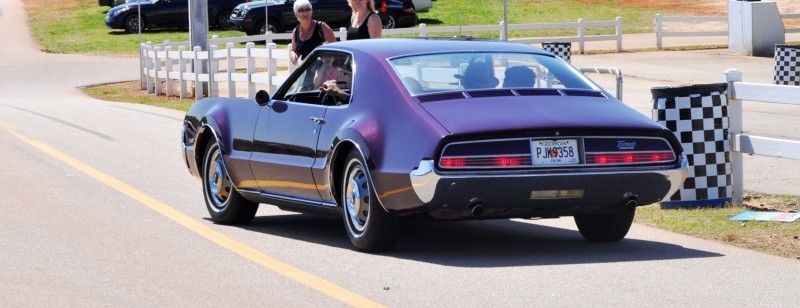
x,y
787,65
561,49
698,115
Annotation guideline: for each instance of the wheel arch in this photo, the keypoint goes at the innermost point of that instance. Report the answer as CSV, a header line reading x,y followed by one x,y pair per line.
x,y
205,134
347,141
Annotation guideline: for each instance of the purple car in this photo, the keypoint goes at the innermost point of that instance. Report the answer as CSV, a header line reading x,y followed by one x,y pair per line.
x,y
436,129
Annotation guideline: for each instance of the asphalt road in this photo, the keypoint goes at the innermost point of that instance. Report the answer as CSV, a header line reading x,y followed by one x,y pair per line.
x,y
100,211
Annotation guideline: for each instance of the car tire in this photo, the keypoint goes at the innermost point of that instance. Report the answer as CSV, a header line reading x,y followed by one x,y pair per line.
x,y
606,227
273,25
132,23
224,20
391,22
369,227
225,205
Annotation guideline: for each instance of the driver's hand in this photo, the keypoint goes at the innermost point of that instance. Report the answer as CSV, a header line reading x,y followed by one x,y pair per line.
x,y
330,87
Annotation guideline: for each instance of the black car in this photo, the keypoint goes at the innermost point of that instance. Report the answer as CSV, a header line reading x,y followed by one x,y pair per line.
x,y
249,17
166,14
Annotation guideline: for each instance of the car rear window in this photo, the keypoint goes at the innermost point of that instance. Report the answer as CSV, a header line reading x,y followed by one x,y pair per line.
x,y
431,73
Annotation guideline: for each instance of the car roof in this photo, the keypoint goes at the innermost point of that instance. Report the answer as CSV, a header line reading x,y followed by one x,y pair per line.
x,y
386,48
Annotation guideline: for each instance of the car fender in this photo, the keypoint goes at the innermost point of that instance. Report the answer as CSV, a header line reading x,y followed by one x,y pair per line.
x,y
347,139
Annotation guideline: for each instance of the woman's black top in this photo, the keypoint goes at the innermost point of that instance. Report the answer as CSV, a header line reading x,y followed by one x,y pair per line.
x,y
305,47
362,32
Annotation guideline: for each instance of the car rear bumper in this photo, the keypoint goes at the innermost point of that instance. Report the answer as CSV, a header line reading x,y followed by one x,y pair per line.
x,y
541,194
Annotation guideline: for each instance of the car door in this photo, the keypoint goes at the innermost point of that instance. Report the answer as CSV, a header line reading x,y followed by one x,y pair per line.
x,y
170,13
284,148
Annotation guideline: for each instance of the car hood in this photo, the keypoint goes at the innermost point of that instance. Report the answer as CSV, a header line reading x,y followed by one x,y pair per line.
x,y
131,5
510,113
259,4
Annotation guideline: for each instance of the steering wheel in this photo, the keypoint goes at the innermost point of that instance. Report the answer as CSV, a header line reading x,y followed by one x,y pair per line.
x,y
326,99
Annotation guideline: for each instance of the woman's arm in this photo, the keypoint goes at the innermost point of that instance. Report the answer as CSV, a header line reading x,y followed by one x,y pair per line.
x,y
375,26
293,54
327,33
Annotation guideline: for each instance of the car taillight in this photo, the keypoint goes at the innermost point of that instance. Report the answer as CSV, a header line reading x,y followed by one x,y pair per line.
x,y
495,161
453,162
508,161
629,158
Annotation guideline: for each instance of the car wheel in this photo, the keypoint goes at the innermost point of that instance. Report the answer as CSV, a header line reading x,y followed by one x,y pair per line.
x,y
391,22
225,204
224,20
369,227
132,23
273,27
605,227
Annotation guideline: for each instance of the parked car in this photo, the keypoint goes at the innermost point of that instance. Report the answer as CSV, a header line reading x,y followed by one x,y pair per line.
x,y
166,14
111,3
419,5
396,14
249,17
427,128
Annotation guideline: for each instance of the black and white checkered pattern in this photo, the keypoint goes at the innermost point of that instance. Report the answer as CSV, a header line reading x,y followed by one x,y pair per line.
x,y
561,49
787,68
698,115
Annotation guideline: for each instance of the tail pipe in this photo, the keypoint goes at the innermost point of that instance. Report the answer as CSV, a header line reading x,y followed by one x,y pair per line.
x,y
631,201
476,206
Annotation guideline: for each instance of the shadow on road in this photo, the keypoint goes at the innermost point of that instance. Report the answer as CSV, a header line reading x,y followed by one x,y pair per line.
x,y
493,243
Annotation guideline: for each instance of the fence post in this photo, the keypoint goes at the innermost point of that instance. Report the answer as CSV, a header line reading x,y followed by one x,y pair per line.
x,y
168,69
619,33
658,31
231,68
213,68
143,65
251,69
181,70
342,35
423,30
580,35
197,64
150,65
156,69
271,66
734,129
502,33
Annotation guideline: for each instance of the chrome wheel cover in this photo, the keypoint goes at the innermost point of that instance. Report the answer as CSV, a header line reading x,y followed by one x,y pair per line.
x,y
218,184
357,199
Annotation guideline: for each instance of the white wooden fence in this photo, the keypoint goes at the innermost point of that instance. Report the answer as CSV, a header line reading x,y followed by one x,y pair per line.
x,y
163,67
660,20
743,143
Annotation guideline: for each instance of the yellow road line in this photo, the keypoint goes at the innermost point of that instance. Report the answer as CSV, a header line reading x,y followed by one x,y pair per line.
x,y
341,294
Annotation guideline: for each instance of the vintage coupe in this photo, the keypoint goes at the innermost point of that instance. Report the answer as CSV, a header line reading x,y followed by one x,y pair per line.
x,y
432,128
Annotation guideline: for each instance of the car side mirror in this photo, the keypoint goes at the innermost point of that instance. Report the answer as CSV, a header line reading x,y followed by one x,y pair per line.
x,y
261,97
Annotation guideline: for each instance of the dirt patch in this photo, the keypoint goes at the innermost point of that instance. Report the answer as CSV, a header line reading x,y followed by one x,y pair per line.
x,y
771,203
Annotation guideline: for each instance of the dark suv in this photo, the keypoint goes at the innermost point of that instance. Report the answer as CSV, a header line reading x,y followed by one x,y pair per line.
x,y
249,17
166,14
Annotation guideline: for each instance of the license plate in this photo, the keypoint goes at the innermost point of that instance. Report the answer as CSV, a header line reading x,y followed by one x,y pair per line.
x,y
555,152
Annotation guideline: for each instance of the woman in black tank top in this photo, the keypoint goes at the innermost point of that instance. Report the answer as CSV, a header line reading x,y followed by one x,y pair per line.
x,y
364,23
309,33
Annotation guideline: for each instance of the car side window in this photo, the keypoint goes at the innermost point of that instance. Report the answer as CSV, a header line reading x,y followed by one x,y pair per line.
x,y
321,68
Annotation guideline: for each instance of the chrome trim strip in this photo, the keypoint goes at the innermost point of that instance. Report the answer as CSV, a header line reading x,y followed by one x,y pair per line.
x,y
297,200
424,178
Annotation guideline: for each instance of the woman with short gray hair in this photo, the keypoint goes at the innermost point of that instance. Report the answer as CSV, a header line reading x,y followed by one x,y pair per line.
x,y
309,33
